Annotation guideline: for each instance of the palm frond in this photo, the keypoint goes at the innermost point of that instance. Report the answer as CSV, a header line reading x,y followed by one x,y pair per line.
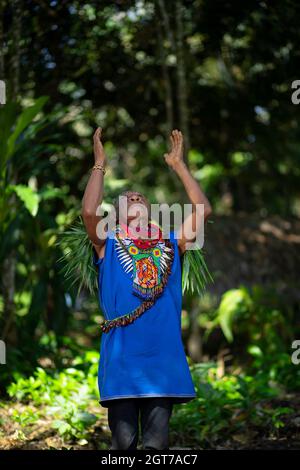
x,y
195,273
76,260
79,270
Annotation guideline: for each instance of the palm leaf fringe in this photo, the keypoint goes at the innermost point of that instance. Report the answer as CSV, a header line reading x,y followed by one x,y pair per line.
x,y
76,261
79,270
195,273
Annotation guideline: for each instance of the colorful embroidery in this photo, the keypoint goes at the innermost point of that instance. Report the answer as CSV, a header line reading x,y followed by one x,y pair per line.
x,y
150,266
146,264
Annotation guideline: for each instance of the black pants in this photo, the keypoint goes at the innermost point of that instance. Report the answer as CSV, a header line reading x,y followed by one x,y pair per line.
x,y
123,420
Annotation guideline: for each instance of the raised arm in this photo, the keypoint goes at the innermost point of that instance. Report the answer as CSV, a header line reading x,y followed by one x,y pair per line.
x,y
190,226
93,194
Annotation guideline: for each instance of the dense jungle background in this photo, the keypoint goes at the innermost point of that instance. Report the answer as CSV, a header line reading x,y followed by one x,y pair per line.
x,y
220,71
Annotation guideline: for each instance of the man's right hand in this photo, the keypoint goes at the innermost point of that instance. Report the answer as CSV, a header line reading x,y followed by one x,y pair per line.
x,y
99,153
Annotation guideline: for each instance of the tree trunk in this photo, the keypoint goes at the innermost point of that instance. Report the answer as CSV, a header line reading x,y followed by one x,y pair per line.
x,y
15,60
182,92
167,81
194,341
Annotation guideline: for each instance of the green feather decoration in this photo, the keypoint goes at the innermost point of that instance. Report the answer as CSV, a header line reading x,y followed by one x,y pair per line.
x,y
78,268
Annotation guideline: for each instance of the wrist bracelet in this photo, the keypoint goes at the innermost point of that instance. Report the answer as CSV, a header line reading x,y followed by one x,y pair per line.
x,y
97,166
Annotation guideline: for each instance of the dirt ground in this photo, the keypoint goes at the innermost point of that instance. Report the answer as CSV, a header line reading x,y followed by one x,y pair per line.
x,y
41,436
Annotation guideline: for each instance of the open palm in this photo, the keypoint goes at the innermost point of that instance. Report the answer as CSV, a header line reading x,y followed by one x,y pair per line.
x,y
175,155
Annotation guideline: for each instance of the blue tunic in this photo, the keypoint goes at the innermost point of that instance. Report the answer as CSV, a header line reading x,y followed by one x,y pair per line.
x,y
145,358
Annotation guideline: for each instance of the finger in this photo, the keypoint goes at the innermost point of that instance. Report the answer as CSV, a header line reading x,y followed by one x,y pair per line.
x,y
172,141
180,137
176,138
98,133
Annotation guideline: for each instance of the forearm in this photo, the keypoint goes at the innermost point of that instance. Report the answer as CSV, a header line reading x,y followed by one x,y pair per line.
x,y
91,203
93,194
201,207
192,187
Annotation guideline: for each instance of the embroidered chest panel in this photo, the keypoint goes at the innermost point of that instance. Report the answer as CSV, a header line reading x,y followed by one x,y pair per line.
x,y
145,260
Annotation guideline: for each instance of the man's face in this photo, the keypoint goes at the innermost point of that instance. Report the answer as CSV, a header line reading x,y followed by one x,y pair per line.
x,y
137,207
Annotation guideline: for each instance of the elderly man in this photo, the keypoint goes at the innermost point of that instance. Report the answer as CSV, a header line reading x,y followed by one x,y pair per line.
x,y
143,369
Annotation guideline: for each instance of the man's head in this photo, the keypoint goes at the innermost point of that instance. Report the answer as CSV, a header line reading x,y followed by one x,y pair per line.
x,y
132,206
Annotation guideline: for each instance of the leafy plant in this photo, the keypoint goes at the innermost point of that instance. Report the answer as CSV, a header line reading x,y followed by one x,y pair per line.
x,y
71,418
234,303
30,136
61,396
43,387
76,260
25,417
195,273
225,405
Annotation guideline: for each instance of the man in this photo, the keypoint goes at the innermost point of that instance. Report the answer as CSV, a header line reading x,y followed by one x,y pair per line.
x,y
143,368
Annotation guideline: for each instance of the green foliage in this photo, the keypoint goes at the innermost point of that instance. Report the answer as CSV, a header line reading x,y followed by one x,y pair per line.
x,y
195,273
70,416
43,386
29,197
76,260
11,118
65,396
26,417
13,140
234,304
236,79
263,327
276,416
258,313
226,405
28,207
